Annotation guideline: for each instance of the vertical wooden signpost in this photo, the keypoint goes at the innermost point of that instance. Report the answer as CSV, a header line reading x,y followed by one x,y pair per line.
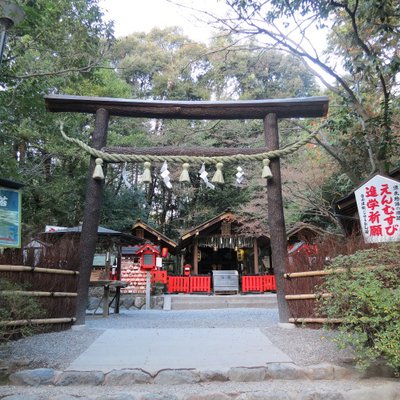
x,y
267,110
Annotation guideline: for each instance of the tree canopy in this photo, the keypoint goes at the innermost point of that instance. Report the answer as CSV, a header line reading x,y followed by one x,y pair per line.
x,y
359,66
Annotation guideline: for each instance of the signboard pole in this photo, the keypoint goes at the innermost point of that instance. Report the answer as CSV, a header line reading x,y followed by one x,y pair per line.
x,y
148,284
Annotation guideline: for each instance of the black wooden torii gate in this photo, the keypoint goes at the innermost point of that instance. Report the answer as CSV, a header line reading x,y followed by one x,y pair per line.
x,y
267,110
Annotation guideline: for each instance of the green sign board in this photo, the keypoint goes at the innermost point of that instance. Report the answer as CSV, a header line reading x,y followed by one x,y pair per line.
x,y
10,217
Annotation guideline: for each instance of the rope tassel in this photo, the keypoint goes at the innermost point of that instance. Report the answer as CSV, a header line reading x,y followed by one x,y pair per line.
x,y
218,176
146,177
266,172
98,170
185,173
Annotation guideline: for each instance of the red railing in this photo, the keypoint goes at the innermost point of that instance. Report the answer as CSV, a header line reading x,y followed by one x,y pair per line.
x,y
202,284
178,284
189,284
269,283
199,284
258,283
252,283
159,276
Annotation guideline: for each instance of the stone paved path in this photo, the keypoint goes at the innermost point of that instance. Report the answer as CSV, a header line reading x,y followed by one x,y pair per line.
x,y
249,375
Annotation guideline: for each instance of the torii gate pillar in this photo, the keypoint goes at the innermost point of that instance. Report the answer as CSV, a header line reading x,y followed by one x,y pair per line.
x,y
276,218
91,217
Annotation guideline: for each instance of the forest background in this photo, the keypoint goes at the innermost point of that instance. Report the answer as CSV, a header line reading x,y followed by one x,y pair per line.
x,y
262,50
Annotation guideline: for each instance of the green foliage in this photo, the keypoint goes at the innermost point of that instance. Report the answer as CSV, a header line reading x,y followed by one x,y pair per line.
x,y
13,307
364,36
163,64
53,50
120,210
368,301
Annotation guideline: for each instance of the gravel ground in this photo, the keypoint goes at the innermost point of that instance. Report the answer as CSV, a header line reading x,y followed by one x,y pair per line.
x,y
309,346
267,390
221,318
58,350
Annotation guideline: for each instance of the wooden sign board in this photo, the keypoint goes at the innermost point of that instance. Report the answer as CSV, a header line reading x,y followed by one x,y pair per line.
x,y
10,217
378,203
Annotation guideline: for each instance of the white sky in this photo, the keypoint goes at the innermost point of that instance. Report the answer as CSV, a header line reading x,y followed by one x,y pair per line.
x,y
142,15
131,16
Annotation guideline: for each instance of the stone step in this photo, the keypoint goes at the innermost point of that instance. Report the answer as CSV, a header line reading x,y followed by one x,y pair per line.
x,y
203,302
274,381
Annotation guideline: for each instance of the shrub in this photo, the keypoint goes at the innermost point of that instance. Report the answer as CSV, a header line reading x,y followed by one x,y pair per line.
x,y
368,301
15,306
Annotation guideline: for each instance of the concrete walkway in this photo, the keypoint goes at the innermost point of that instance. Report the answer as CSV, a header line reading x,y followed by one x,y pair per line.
x,y
155,349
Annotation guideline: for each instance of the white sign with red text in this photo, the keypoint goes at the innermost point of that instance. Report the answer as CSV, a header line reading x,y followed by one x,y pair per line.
x,y
378,203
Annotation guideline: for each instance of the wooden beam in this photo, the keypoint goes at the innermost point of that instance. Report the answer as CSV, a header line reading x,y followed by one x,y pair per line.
x,y
38,321
308,296
255,248
316,320
37,293
23,268
306,107
195,259
330,271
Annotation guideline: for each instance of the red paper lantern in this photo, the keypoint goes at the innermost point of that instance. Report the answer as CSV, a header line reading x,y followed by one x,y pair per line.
x,y
164,252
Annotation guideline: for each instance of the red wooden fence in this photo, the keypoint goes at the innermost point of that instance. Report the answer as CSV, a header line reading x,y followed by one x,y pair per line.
x,y
258,283
189,284
269,283
252,283
178,284
200,284
159,276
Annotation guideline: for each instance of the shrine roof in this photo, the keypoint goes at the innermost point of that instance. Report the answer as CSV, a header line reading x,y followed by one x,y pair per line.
x,y
158,236
210,225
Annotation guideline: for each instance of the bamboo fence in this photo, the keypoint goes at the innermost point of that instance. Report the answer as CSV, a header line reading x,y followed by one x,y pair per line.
x,y
302,288
52,280
22,268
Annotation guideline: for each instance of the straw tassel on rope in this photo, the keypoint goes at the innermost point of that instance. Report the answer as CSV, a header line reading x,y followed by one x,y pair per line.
x,y
146,177
218,176
184,177
266,172
98,170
